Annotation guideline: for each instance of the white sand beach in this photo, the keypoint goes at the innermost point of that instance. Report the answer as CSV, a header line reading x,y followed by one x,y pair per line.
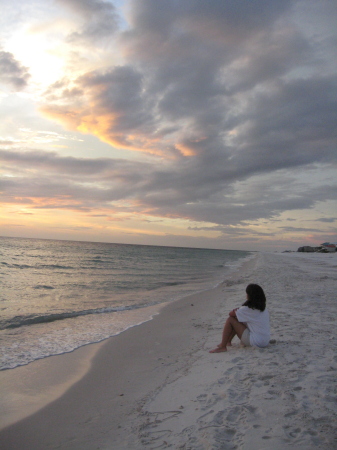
x,y
156,386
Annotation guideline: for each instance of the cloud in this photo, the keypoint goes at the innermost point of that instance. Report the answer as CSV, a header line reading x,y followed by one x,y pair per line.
x,y
7,143
327,219
223,84
12,73
231,106
300,230
110,104
233,231
46,180
229,22
99,20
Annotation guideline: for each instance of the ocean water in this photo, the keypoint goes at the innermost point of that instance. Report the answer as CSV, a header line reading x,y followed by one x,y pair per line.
x,y
59,295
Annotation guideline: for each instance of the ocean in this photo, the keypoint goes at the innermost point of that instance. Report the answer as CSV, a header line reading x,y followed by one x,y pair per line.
x,y
57,296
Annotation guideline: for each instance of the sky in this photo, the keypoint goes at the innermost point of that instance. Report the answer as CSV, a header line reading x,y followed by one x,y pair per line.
x,y
164,122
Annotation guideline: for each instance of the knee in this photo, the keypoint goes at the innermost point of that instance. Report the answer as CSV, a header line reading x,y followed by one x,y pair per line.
x,y
232,320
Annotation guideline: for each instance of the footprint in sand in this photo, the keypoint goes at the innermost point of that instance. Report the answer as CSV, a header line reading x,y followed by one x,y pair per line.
x,y
292,433
234,414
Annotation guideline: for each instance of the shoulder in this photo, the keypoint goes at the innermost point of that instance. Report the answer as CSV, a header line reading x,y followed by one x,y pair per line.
x,y
243,311
252,313
244,308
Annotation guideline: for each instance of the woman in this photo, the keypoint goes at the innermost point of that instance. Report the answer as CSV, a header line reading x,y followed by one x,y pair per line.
x,y
250,322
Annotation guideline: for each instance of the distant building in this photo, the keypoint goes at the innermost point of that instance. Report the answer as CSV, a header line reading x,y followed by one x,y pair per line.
x,y
306,249
328,247
323,248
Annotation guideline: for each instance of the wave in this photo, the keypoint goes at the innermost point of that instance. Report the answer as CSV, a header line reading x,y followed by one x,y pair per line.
x,y
17,266
53,266
164,284
41,286
89,265
21,321
38,266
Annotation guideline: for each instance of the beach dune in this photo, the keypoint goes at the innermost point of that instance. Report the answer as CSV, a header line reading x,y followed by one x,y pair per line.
x,y
156,386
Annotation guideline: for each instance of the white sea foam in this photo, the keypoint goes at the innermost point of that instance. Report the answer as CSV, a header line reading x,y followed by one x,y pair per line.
x,y
25,345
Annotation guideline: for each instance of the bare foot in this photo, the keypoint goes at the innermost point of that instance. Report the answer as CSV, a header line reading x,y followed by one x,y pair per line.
x,y
219,350
228,344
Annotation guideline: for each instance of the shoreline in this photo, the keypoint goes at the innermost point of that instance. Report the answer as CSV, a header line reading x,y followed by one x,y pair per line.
x,y
29,387
51,335
156,383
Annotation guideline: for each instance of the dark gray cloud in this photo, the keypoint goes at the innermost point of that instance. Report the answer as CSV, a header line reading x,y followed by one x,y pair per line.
x,y
300,230
228,23
120,90
192,52
327,219
292,125
12,72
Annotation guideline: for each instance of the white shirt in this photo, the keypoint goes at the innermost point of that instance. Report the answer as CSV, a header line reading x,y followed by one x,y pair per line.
x,y
257,323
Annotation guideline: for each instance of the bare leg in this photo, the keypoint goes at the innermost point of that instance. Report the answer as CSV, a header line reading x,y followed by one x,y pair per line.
x,y
232,325
230,339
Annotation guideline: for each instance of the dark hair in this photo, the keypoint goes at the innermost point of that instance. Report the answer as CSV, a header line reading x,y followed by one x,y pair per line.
x,y
256,298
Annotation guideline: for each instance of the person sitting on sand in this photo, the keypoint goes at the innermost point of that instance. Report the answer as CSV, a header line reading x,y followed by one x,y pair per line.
x,y
250,322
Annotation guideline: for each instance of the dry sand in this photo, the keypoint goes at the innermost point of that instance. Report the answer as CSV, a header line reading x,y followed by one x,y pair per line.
x,y
155,386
